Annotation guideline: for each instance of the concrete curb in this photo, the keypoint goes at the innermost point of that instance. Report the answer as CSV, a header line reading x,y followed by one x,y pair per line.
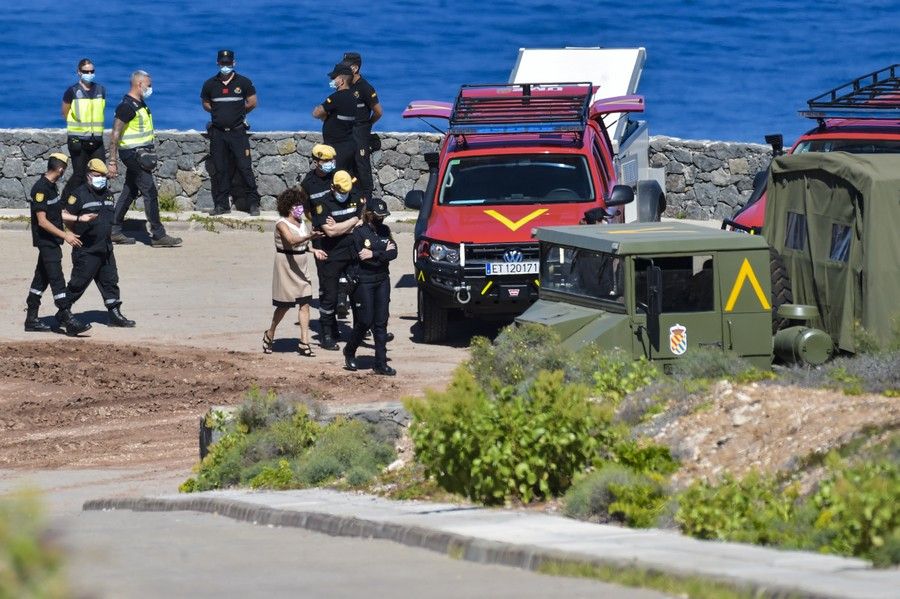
x,y
481,550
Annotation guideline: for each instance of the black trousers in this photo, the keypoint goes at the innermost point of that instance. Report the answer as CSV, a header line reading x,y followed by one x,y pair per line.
x,y
371,302
81,151
99,268
330,271
362,158
48,272
230,151
137,180
344,158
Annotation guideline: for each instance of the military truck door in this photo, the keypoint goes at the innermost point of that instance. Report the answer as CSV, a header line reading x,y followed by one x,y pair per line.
x,y
745,289
690,315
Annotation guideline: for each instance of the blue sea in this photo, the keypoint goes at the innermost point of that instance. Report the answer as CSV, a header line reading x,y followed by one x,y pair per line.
x,y
715,70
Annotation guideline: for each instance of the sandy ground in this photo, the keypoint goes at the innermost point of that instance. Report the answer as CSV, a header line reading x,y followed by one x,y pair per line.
x,y
126,397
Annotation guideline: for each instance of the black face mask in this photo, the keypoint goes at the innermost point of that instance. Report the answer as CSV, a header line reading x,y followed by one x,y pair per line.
x,y
377,220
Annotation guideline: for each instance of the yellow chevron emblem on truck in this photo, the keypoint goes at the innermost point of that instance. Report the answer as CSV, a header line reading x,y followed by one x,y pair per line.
x,y
746,272
518,224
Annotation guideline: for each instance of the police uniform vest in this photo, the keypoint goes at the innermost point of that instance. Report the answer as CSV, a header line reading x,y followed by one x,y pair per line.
x,y
85,116
340,247
139,130
95,235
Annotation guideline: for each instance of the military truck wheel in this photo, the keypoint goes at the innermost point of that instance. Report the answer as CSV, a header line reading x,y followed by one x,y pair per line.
x,y
781,287
651,201
432,319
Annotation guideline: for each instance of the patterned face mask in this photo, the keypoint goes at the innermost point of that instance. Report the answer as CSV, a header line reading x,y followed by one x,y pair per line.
x,y
297,212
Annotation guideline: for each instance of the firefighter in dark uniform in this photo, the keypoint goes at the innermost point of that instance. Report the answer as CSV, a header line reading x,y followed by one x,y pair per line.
x,y
317,185
228,97
339,113
47,235
83,108
335,215
373,248
132,138
368,111
94,260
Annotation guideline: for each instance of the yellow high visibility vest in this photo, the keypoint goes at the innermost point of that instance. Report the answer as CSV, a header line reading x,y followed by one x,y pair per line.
x,y
85,117
139,130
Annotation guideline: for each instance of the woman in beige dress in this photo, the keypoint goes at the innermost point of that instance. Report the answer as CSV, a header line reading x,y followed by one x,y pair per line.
x,y
291,284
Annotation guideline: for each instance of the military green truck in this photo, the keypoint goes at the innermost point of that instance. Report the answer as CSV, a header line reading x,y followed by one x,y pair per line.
x,y
660,290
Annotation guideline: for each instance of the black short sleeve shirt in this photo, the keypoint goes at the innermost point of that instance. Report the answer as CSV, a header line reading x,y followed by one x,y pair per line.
x,y
341,110
78,92
45,198
366,98
341,247
227,99
128,107
95,235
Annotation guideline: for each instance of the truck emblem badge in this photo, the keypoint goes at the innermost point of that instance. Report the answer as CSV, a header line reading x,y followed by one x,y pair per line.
x,y
513,292
518,224
677,339
512,256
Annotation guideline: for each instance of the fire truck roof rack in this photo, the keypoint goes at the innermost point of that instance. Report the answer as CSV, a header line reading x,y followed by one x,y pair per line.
x,y
521,108
872,96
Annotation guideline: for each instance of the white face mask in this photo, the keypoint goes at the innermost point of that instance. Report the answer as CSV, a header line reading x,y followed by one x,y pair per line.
x,y
341,197
148,92
226,69
328,167
98,182
333,84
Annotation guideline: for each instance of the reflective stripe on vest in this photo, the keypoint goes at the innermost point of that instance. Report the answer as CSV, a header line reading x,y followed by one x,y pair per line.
x,y
85,117
139,130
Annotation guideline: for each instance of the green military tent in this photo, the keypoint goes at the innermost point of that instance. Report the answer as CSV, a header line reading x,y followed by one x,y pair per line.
x,y
835,218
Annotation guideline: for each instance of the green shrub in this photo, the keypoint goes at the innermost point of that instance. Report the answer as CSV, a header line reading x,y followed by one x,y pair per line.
x,y
754,509
619,494
515,445
645,457
167,203
517,354
711,364
616,375
344,447
261,410
857,510
277,476
30,565
861,373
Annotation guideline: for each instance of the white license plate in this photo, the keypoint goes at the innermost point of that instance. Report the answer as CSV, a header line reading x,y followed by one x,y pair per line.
x,y
511,268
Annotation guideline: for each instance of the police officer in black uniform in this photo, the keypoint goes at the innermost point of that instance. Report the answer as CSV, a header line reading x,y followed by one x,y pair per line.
x,y
373,248
94,260
368,111
335,215
339,113
47,234
229,96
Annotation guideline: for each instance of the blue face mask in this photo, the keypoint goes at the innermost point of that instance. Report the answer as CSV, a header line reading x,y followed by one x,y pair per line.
x,y
341,197
333,84
98,182
226,70
148,92
328,167
87,77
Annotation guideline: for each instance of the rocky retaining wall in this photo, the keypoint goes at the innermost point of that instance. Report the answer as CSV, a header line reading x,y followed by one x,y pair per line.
x,y
703,179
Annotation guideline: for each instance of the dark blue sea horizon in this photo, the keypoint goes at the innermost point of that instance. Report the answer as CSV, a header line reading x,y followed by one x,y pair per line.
x,y
727,71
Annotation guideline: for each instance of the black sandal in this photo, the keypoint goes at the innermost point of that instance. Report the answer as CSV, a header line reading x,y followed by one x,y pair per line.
x,y
305,350
267,343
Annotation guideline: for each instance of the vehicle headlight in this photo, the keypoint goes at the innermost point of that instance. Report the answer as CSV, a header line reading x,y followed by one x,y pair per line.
x,y
440,252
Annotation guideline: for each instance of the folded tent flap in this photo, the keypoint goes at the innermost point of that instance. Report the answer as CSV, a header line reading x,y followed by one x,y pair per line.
x,y
613,71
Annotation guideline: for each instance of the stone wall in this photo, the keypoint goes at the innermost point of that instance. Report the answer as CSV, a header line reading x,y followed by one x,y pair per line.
x,y
703,179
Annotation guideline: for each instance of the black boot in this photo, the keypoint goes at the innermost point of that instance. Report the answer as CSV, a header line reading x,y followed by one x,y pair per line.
x,y
329,343
117,319
33,324
72,325
384,369
349,359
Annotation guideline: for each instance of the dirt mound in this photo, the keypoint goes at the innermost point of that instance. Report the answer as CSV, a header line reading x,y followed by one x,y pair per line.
x,y
75,403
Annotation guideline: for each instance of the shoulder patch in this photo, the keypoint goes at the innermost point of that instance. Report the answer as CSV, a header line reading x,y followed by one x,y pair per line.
x,y
39,197
237,90
374,94
319,208
356,93
328,100
71,200
367,243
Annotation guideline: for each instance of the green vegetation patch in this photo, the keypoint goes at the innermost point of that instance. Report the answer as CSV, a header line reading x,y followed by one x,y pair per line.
x,y
211,223
30,564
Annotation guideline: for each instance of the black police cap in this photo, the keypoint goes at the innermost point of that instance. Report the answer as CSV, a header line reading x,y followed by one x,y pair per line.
x,y
378,207
352,58
226,56
594,215
340,69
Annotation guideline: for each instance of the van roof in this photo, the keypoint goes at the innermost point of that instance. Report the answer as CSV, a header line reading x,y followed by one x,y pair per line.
x,y
647,238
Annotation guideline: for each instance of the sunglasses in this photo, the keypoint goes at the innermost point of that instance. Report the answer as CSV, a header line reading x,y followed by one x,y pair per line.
x,y
87,72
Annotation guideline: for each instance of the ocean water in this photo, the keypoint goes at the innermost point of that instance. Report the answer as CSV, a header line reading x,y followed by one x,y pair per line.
x,y
715,70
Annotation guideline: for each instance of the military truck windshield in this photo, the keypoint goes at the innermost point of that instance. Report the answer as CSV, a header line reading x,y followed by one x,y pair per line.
x,y
851,146
517,179
687,283
581,272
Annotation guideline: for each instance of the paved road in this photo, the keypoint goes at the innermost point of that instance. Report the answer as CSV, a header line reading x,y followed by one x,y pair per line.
x,y
133,555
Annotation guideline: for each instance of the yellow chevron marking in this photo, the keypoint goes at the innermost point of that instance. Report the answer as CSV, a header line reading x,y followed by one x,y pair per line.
x,y
746,272
421,276
486,287
516,225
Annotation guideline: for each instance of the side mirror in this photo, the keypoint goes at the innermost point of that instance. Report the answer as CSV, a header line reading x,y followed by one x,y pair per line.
x,y
414,199
620,195
654,304
776,140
